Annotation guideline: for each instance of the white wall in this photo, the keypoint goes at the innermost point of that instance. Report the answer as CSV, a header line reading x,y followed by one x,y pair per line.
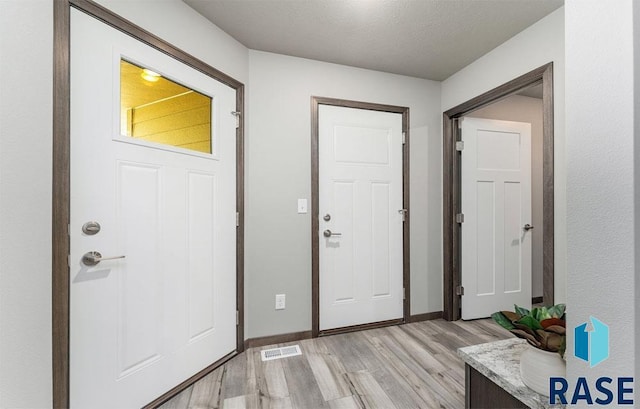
x,y
526,109
185,28
601,211
26,43
278,240
636,153
539,44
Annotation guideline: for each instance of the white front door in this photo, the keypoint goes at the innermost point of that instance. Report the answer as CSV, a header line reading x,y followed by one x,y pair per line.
x,y
496,203
142,324
360,203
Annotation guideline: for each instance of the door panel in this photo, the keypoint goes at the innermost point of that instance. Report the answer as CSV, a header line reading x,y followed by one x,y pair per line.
x,y
512,232
142,324
486,238
139,292
201,248
360,188
380,246
496,203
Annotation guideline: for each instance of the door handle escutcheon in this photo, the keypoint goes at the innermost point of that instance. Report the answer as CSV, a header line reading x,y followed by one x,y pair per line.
x,y
528,227
92,258
328,233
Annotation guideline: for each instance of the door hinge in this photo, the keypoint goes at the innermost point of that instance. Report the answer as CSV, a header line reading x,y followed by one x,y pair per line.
x,y
237,219
460,146
459,290
404,138
460,218
404,293
403,213
237,317
237,114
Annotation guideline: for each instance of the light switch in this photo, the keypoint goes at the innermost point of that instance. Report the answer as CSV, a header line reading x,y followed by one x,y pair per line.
x,y
302,206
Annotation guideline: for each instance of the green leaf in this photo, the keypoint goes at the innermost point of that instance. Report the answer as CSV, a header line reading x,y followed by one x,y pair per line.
x,y
502,320
522,311
540,314
530,322
557,311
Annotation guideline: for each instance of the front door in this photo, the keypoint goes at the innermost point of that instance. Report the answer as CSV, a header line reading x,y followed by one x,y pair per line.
x,y
361,217
496,204
153,219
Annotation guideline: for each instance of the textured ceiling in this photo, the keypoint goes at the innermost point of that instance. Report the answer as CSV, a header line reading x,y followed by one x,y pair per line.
x,y
422,38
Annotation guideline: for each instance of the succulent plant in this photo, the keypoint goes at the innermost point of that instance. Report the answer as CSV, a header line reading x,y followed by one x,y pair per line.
x,y
542,327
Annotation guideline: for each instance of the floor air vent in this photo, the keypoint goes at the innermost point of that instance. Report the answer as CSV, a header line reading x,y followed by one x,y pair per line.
x,y
277,353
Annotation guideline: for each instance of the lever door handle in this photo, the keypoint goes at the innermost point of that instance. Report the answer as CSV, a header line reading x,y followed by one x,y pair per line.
x,y
329,233
92,258
528,227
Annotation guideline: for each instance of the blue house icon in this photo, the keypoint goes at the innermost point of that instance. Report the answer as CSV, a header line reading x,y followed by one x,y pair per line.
x,y
592,346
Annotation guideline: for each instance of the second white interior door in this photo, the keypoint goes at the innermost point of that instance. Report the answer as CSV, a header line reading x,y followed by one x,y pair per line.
x,y
496,203
360,203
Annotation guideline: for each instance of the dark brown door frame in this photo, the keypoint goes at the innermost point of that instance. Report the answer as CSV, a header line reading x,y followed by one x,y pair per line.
x,y
452,184
61,174
315,222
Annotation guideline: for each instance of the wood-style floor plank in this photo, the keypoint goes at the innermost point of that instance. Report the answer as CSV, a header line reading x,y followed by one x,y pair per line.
x,y
303,387
180,401
369,391
275,403
421,397
206,394
242,402
275,379
327,370
348,402
409,366
235,377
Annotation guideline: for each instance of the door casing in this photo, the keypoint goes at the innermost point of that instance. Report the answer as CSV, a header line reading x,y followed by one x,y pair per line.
x,y
315,223
452,184
61,186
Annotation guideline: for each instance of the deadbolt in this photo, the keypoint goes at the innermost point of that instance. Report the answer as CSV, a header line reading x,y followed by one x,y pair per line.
x,y
91,228
326,217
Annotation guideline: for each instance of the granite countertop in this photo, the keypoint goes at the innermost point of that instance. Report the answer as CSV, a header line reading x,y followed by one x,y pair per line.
x,y
500,362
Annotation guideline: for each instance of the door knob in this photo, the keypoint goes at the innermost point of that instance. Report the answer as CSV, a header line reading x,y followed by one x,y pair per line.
x,y
92,258
528,227
329,233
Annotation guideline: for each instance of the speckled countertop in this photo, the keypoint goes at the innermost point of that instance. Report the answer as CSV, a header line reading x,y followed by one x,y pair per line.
x,y
500,362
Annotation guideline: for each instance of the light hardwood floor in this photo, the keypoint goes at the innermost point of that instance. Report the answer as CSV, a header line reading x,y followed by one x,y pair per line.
x,y
407,366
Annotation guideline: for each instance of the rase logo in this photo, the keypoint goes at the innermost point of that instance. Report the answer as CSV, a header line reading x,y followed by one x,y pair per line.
x,y
592,346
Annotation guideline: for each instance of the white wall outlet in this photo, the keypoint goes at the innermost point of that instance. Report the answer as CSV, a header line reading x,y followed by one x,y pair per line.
x,y
302,206
280,301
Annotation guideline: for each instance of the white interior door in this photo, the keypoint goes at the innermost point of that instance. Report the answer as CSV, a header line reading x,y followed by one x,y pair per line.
x,y
496,203
360,202
142,324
